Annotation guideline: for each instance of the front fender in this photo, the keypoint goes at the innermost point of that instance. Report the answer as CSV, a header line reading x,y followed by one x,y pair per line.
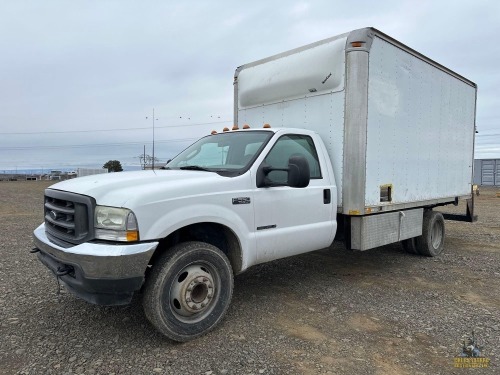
x,y
239,220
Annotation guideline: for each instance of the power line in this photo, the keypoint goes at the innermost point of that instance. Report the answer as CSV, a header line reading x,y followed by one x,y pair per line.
x,y
50,147
112,130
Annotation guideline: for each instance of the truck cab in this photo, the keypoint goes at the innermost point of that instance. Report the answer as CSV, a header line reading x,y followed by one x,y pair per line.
x,y
235,198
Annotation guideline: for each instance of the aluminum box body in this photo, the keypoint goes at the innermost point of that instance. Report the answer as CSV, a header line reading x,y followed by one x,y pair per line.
x,y
398,127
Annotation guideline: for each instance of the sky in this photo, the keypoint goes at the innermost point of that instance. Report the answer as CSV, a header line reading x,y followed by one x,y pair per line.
x,y
79,79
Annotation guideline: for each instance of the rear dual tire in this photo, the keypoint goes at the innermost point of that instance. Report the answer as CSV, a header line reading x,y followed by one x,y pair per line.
x,y
431,242
410,246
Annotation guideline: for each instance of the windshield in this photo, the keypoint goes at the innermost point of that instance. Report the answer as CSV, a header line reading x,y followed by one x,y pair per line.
x,y
226,152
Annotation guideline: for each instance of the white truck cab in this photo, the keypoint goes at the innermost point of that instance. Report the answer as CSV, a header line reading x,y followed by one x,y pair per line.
x,y
367,136
235,199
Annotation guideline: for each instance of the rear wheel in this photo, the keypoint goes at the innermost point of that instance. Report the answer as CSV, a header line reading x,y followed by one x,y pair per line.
x,y
188,291
431,242
410,246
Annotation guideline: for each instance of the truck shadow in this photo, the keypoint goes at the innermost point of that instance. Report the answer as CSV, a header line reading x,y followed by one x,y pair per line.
x,y
260,292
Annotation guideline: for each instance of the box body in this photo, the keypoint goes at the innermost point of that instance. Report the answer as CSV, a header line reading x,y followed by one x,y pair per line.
x,y
399,128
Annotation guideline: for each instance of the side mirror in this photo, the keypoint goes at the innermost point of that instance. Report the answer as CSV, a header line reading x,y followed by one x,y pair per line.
x,y
298,173
262,172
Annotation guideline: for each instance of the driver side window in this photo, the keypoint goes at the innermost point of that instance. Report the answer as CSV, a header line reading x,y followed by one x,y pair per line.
x,y
287,146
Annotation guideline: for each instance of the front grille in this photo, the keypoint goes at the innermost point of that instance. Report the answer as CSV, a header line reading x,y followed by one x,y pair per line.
x,y
68,217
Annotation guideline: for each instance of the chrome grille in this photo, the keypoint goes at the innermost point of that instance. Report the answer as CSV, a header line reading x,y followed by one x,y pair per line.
x,y
60,215
68,217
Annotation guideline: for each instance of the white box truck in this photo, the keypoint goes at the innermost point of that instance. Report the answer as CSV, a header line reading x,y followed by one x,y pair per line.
x,y
367,137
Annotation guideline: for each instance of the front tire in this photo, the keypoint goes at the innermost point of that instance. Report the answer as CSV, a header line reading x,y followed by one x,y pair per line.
x,y
188,291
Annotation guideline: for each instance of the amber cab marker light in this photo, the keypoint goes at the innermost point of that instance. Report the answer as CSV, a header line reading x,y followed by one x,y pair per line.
x,y
246,126
225,129
235,127
267,126
214,132
357,44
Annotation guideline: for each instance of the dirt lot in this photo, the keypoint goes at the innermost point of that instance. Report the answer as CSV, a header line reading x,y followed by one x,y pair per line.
x,y
332,311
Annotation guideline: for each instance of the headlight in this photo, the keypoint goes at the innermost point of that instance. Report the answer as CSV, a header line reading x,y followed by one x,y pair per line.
x,y
115,224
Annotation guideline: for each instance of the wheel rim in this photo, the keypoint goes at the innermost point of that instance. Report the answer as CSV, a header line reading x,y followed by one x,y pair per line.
x,y
436,235
193,292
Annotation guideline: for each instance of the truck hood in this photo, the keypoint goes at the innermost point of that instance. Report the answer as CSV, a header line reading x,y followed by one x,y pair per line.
x,y
129,189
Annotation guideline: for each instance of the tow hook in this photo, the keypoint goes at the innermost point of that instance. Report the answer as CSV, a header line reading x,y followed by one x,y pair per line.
x,y
61,271
34,250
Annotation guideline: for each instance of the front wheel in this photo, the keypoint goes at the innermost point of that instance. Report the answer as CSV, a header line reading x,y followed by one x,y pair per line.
x,y
188,291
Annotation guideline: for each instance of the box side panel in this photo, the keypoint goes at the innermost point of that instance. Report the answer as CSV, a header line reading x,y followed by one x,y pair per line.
x,y
322,113
420,131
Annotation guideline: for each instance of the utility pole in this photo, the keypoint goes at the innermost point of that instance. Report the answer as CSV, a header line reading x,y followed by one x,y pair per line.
x,y
153,163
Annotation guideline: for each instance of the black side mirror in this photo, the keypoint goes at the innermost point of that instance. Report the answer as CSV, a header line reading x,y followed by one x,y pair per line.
x,y
298,173
262,172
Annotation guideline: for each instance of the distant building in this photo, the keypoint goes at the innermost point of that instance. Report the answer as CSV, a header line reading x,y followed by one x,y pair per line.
x,y
82,172
55,175
487,172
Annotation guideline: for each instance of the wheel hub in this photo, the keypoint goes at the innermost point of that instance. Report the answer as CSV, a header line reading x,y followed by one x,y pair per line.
x,y
436,235
193,291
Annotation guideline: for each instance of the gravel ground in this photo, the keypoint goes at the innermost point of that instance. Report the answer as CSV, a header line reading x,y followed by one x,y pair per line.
x,y
332,311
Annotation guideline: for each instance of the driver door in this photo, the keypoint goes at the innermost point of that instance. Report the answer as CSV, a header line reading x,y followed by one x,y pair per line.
x,y
288,220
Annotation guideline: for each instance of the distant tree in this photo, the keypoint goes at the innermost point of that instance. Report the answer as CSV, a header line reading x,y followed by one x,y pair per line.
x,y
113,166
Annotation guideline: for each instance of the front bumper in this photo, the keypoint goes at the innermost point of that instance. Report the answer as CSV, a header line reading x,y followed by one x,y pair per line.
x,y
104,274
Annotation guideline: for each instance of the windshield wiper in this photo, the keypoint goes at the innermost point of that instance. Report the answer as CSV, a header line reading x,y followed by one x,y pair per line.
x,y
195,168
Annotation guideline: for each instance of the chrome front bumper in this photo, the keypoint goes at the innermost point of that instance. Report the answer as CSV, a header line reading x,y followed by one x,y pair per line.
x,y
101,273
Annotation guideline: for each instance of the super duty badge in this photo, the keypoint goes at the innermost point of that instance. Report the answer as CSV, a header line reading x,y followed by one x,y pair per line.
x,y
241,200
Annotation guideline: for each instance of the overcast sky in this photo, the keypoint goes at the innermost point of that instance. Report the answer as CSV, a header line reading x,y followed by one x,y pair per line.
x,y
79,78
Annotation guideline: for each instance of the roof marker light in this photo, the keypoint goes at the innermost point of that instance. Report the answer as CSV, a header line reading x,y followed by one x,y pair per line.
x,y
213,132
226,129
357,44
246,126
235,127
267,126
